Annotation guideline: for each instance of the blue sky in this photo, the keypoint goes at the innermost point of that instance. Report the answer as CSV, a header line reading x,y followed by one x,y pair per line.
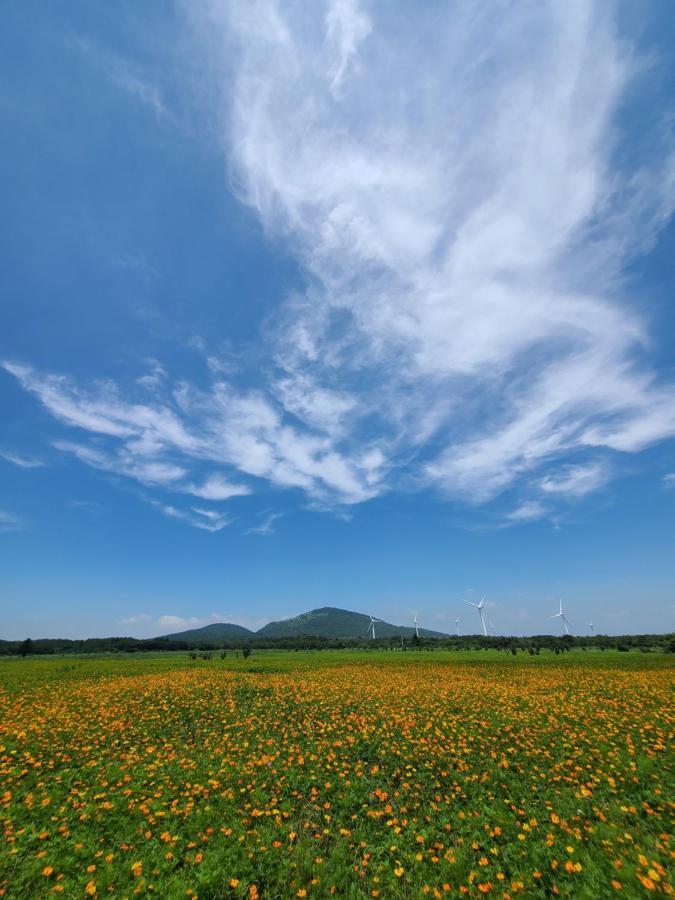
x,y
347,304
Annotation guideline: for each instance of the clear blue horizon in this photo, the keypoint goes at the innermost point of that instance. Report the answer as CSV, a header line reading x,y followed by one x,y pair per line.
x,y
354,305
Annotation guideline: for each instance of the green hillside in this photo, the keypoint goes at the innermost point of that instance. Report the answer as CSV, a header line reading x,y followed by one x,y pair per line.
x,y
212,634
330,622
327,622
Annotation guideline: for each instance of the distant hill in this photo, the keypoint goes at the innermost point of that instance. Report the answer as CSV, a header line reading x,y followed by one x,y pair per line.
x,y
330,622
212,634
327,622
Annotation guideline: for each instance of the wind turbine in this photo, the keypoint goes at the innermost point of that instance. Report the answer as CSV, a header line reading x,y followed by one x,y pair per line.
x,y
480,607
592,627
417,631
457,625
563,618
371,624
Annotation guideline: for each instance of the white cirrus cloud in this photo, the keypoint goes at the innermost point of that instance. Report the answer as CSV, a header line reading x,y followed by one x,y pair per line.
x,y
576,481
205,519
464,218
160,440
528,511
215,487
23,462
266,526
147,471
123,74
453,188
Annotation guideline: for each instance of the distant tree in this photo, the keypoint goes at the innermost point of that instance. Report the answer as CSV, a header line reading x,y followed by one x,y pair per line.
x,y
246,652
223,654
26,647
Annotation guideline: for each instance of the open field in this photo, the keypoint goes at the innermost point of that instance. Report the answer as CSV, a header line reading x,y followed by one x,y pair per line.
x,y
349,773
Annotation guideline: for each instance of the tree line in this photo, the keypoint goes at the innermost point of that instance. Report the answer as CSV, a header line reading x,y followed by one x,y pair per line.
x,y
532,645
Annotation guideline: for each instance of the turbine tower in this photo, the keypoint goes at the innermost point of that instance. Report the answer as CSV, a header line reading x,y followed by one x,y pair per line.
x,y
480,607
371,625
592,627
457,625
563,618
417,631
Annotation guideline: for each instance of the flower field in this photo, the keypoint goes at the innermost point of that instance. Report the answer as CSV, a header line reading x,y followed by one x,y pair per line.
x,y
346,774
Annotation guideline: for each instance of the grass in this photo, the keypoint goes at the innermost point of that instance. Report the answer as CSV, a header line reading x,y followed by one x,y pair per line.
x,y
351,773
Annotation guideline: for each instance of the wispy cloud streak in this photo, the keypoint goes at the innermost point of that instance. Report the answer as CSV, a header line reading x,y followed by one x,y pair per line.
x,y
23,462
461,209
453,188
266,525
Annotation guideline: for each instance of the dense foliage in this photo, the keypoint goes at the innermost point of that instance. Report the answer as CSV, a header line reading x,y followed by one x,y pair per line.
x,y
645,642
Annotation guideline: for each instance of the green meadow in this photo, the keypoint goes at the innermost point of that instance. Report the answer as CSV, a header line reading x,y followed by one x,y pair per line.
x,y
350,773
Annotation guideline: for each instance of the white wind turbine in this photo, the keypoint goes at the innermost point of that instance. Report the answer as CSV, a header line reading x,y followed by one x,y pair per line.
x,y
563,618
592,627
480,607
457,625
417,631
371,624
